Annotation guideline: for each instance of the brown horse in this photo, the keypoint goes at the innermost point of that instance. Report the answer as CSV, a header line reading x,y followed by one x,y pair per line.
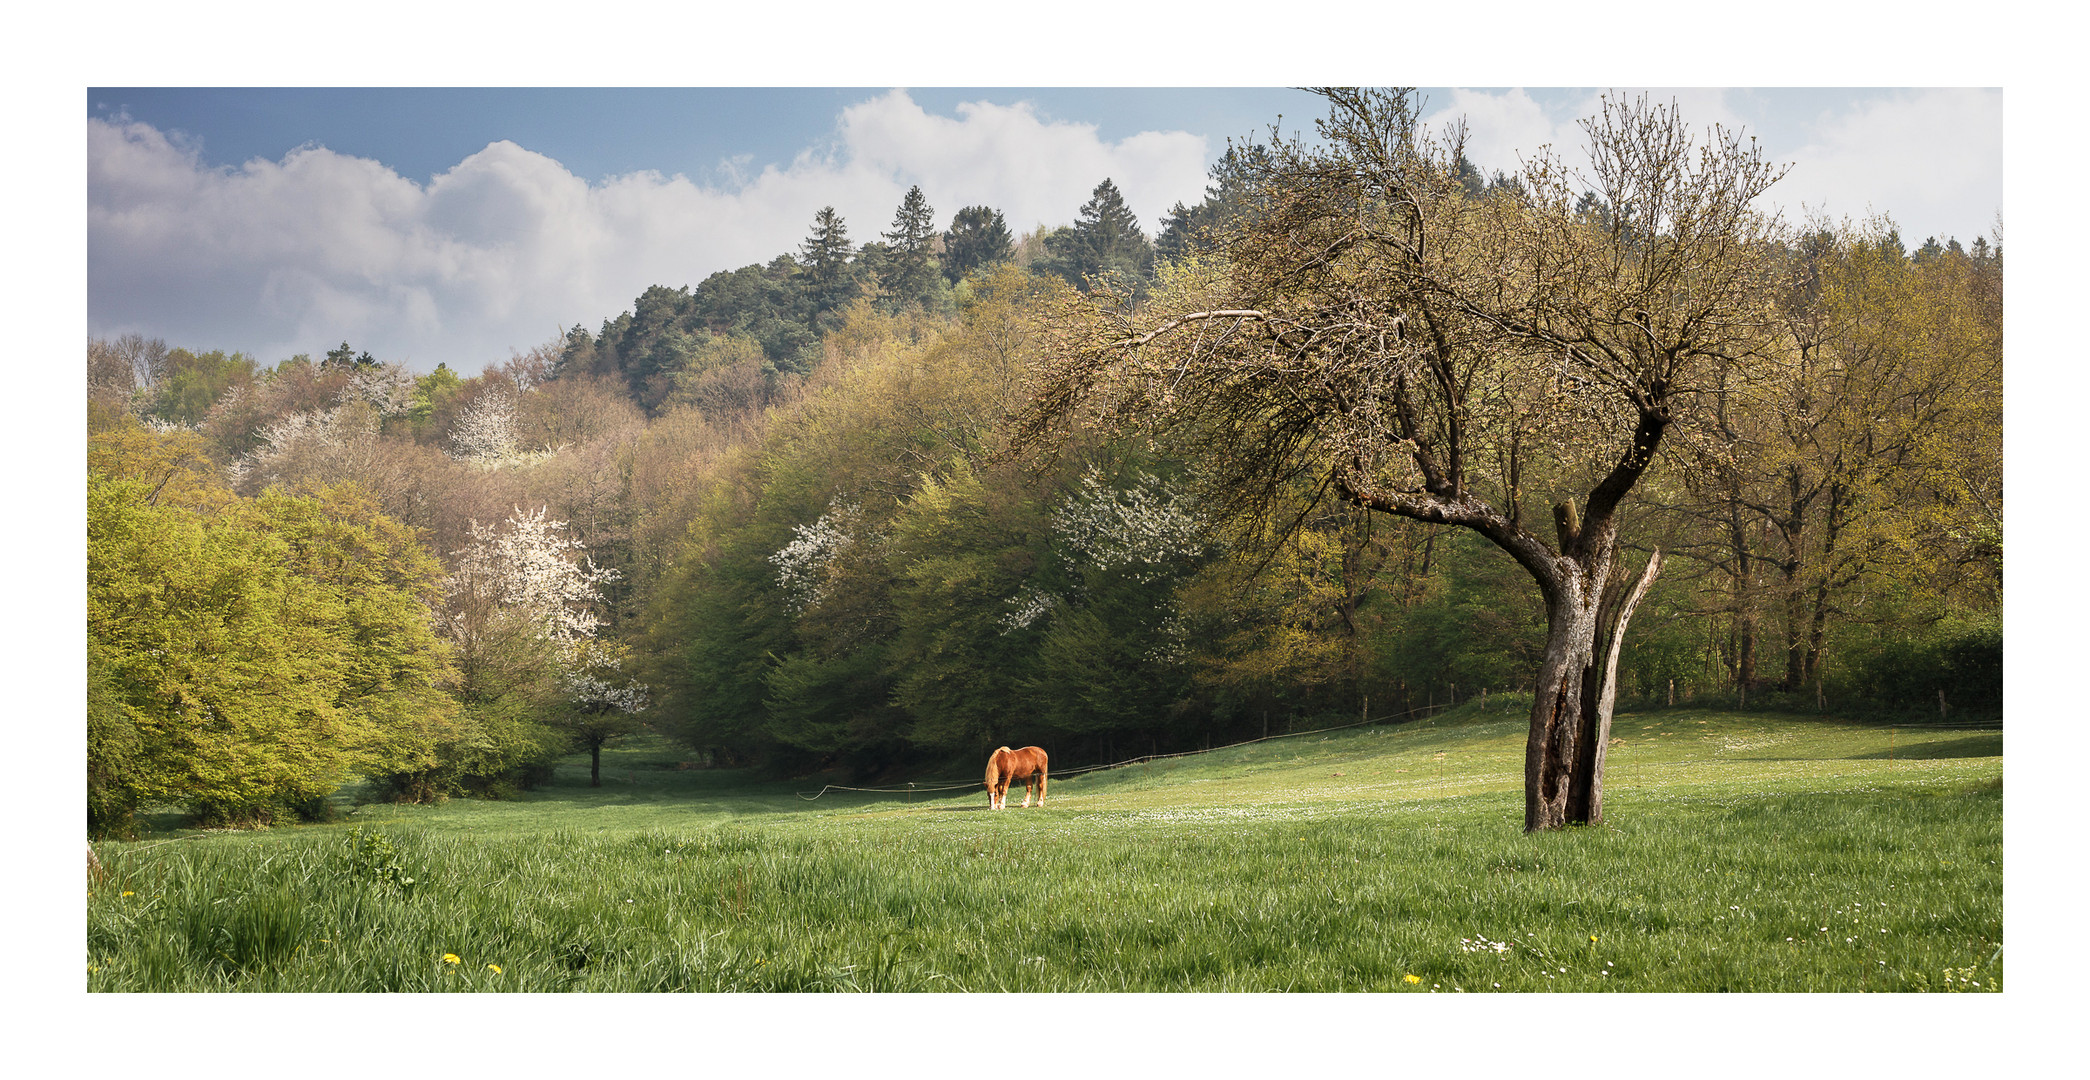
x,y
1027,765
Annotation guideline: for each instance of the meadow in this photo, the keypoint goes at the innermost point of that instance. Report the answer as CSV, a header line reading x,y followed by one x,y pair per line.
x,y
1740,852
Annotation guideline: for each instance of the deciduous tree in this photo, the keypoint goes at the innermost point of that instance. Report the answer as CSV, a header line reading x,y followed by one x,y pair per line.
x,y
1423,353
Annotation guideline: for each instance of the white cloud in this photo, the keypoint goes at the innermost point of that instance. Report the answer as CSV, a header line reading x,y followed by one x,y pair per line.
x,y
1932,159
1503,129
498,252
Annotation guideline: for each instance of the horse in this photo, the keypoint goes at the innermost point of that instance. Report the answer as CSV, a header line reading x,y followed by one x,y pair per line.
x,y
1004,765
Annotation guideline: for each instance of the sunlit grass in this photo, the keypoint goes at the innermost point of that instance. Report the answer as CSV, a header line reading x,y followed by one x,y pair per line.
x,y
1740,852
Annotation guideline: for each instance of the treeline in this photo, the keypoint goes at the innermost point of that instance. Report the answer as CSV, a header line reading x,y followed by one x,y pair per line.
x,y
777,515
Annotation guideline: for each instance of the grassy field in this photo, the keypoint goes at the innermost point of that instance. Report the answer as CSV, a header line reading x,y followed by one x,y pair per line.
x,y
1741,852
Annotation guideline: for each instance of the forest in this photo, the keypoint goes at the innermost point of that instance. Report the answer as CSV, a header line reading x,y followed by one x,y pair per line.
x,y
827,512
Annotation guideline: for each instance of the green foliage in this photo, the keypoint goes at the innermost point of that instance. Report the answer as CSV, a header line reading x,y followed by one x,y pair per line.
x,y
825,255
371,859
912,276
1474,623
1231,193
432,392
194,382
1105,241
1959,658
248,655
978,238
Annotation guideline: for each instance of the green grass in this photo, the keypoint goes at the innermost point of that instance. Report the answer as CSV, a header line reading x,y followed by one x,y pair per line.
x,y
1740,852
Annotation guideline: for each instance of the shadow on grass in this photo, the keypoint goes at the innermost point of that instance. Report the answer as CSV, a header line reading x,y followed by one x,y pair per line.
x,y
1971,747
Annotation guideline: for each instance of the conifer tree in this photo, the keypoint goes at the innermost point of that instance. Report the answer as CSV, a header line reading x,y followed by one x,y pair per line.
x,y
1105,240
910,275
978,237
827,254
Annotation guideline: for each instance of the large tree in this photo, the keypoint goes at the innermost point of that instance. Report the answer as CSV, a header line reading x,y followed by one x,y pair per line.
x,y
1410,348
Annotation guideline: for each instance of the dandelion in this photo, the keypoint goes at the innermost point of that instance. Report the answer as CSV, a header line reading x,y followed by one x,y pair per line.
x,y
1418,978
1592,937
451,958
495,968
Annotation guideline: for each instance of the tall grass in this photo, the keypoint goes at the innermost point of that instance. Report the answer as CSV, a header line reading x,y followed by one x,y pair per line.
x,y
1740,853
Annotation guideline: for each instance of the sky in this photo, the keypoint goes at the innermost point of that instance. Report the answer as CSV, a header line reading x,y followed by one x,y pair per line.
x,y
460,225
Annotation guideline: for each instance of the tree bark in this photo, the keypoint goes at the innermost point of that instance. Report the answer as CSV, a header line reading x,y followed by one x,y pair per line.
x,y
1586,785
594,764
1556,707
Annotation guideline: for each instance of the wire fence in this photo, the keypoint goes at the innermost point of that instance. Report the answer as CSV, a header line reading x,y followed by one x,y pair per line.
x,y
956,785
928,787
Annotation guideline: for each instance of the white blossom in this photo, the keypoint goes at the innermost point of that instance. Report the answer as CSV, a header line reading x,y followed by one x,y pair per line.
x,y
388,388
528,565
1147,526
803,564
486,433
587,663
331,429
1028,606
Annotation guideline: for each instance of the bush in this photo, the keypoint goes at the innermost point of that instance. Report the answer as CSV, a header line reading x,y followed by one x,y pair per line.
x,y
1961,657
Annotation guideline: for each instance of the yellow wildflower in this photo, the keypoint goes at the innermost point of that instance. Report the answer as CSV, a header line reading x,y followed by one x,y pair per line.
x,y
1411,978
451,958
495,968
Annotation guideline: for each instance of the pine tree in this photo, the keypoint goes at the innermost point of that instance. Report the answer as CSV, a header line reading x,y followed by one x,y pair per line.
x,y
978,237
1105,240
827,254
1230,193
909,275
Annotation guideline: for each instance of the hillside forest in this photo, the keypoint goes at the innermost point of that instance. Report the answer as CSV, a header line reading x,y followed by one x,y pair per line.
x,y
823,513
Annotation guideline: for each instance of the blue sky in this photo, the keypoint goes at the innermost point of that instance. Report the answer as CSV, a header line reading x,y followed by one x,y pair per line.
x,y
460,225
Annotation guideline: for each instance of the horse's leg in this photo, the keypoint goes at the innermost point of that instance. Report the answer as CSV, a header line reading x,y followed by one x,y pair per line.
x,y
1030,783
1041,788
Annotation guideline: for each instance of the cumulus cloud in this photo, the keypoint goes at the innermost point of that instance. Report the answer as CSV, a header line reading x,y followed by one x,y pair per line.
x,y
1502,129
1932,159
296,255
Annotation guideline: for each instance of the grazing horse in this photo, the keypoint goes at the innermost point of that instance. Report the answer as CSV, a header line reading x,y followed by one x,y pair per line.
x,y
1027,765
